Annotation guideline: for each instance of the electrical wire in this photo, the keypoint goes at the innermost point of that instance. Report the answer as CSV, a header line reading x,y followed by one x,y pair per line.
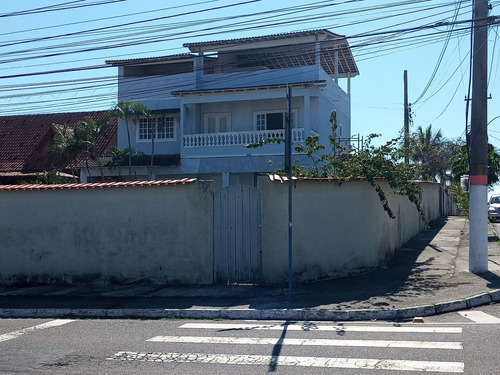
x,y
378,39
494,49
52,27
281,22
440,58
58,7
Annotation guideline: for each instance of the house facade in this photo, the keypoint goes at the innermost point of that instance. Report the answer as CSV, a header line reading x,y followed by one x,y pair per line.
x,y
206,105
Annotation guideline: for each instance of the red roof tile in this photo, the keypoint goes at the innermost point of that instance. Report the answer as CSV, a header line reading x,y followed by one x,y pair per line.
x,y
24,139
97,185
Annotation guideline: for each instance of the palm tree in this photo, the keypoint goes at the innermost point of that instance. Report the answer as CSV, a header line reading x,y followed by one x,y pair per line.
x,y
426,150
127,110
158,125
117,157
460,164
66,150
88,131
426,137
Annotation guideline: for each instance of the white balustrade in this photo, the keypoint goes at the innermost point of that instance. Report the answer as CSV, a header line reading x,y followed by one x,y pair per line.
x,y
238,138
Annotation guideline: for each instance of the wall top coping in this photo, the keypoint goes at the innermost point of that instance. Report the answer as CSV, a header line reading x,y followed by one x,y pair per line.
x,y
98,185
283,179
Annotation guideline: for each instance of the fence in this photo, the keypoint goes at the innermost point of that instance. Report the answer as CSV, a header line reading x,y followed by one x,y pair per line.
x,y
163,232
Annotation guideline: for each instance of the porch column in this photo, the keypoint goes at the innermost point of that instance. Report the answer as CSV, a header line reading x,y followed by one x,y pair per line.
x,y
225,179
337,67
198,69
349,93
307,115
181,126
317,54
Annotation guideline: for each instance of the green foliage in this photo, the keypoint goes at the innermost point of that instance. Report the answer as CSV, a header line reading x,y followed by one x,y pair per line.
x,y
431,153
50,178
118,156
265,141
460,164
72,144
127,110
463,202
345,162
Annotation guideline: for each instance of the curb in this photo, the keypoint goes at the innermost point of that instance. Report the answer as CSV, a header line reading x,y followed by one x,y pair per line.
x,y
255,314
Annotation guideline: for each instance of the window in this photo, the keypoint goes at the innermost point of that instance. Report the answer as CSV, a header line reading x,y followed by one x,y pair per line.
x,y
162,127
217,122
273,120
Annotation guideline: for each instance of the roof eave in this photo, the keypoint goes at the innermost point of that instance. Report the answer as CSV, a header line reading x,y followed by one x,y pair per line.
x,y
297,85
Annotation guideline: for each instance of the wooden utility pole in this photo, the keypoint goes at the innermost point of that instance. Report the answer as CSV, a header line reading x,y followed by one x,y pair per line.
x,y
478,208
407,116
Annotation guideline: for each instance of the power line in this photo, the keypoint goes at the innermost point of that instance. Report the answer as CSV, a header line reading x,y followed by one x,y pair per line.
x,y
385,40
58,7
440,59
101,29
301,9
52,27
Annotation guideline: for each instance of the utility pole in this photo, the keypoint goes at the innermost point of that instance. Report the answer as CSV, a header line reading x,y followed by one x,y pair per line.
x,y
478,208
407,116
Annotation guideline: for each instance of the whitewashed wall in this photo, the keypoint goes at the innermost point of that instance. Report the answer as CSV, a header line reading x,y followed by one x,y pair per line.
x,y
164,234
338,228
157,234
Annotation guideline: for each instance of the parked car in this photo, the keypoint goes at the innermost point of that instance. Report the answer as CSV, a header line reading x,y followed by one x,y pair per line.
x,y
494,208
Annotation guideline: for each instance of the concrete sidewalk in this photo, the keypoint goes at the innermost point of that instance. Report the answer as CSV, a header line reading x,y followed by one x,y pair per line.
x,y
429,275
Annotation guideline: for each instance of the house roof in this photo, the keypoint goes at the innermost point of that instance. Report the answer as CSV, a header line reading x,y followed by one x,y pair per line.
x,y
153,60
97,185
301,50
297,85
276,51
24,139
232,43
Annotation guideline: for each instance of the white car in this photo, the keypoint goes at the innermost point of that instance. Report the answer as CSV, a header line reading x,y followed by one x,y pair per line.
x,y
494,208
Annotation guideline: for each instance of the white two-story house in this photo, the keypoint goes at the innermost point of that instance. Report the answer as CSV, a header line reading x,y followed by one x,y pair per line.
x,y
208,103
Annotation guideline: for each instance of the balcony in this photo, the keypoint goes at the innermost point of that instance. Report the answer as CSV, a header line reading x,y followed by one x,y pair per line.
x,y
240,138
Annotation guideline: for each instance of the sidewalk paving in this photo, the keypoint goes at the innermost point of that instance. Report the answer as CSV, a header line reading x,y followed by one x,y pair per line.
x,y
429,275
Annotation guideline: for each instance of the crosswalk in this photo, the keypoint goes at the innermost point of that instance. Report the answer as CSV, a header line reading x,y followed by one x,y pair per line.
x,y
369,346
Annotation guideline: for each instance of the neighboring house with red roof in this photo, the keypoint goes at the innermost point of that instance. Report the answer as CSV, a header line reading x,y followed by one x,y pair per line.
x,y
25,140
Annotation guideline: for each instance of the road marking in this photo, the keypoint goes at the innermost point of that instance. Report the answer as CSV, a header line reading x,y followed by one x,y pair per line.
x,y
479,317
235,359
309,327
21,332
310,342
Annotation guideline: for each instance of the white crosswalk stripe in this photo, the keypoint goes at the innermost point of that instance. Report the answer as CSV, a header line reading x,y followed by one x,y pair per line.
x,y
351,363
480,317
309,342
22,332
234,335
309,327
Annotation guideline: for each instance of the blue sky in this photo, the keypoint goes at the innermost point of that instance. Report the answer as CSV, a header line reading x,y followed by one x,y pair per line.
x,y
377,93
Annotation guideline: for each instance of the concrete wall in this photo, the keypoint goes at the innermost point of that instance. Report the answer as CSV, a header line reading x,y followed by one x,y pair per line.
x,y
159,234
338,228
164,234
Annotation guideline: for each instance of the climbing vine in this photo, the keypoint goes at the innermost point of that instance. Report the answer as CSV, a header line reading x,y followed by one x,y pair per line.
x,y
346,163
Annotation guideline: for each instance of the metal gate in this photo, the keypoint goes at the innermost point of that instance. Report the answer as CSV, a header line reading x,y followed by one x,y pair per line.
x,y
237,220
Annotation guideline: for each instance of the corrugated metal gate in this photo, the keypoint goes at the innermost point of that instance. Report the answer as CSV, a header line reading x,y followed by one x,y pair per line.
x,y
237,220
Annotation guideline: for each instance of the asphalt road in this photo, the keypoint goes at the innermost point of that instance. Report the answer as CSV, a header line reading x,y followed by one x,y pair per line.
x,y
465,342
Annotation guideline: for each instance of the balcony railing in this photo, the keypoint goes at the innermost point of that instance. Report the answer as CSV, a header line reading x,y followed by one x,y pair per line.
x,y
238,138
